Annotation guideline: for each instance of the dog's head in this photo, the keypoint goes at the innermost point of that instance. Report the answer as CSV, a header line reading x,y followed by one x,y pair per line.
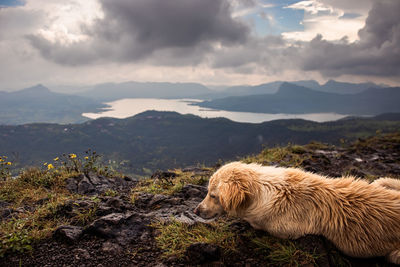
x,y
231,189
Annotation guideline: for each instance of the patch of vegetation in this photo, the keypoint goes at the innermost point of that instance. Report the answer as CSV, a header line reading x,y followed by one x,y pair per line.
x,y
171,185
35,198
175,237
19,232
288,156
282,252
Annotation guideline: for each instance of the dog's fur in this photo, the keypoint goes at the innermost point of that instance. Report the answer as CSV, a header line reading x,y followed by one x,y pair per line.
x,y
361,219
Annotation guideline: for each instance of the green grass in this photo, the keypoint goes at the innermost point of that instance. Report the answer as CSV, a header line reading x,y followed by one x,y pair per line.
x,y
170,186
282,252
175,237
288,156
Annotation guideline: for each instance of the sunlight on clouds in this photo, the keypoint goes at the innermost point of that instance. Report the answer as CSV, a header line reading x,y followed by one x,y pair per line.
x,y
65,19
311,6
323,19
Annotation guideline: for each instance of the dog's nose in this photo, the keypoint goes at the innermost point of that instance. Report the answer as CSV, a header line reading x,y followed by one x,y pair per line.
x,y
196,210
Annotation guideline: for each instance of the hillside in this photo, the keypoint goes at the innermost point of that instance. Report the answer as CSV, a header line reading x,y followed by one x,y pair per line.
x,y
39,104
159,140
294,99
78,213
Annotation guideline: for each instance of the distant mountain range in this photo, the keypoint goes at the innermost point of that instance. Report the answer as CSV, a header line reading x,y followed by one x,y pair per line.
x,y
292,98
115,91
39,104
159,140
330,86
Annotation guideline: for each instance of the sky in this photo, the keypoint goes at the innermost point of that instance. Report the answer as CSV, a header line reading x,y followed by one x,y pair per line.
x,y
78,43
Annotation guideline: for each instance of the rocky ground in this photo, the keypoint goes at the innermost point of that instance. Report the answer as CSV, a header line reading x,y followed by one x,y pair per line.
x,y
113,221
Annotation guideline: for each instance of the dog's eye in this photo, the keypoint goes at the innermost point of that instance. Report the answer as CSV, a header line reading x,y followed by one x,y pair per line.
x,y
212,196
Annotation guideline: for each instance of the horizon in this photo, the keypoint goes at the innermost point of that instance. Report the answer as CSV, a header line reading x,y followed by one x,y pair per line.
x,y
73,45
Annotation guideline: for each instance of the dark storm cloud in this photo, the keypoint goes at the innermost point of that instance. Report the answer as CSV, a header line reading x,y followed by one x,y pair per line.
x,y
376,53
134,30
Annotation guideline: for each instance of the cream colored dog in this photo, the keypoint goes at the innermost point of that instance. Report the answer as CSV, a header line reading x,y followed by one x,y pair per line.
x,y
361,219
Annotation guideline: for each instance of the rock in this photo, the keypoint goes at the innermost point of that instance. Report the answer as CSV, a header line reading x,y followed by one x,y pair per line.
x,y
111,248
200,253
85,186
71,185
81,254
157,199
68,233
105,226
114,202
194,191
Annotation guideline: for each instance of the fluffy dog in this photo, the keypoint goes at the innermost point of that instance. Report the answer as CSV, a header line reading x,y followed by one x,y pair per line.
x,y
361,219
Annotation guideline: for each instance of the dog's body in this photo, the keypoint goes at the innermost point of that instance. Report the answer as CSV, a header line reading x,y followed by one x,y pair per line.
x,y
361,219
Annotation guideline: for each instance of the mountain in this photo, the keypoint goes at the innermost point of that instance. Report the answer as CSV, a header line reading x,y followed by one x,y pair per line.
x,y
332,86
271,88
39,104
159,140
296,99
115,91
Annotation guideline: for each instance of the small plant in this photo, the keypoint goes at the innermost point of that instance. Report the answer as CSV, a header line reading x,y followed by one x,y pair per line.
x,y
14,236
5,168
110,193
86,216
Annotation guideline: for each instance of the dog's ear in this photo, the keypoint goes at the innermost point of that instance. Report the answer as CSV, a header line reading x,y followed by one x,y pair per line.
x,y
236,192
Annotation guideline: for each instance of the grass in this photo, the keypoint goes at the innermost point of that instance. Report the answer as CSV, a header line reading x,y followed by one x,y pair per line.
x,y
288,156
170,186
175,237
282,252
38,195
18,233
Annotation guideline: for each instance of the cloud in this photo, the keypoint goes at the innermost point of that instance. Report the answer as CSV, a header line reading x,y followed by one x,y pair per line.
x,y
376,53
134,30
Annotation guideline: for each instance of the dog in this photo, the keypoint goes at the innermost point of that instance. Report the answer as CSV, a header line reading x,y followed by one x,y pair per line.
x,y
362,219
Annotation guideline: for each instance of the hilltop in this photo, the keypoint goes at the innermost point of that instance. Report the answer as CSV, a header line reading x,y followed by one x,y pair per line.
x,y
154,140
79,213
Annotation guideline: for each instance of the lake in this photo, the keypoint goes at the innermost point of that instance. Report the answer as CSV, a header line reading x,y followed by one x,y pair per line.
x,y
128,107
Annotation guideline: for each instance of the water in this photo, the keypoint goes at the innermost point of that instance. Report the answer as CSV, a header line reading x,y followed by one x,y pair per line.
x,y
128,107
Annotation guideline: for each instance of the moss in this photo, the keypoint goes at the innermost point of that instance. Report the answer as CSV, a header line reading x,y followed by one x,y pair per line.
x,y
175,237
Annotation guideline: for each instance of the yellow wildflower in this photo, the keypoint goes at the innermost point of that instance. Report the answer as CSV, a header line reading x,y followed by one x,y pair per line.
x,y
72,156
45,163
56,159
9,163
86,157
50,166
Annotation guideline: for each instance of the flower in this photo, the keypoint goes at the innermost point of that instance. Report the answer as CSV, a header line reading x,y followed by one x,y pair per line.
x,y
72,156
45,163
50,166
9,163
57,158
86,157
